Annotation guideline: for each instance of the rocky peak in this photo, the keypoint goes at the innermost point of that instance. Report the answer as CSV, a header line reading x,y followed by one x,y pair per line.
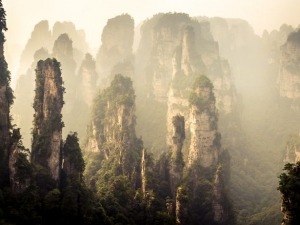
x,y
292,153
78,36
40,38
115,53
177,163
48,103
113,120
289,75
220,213
63,47
204,148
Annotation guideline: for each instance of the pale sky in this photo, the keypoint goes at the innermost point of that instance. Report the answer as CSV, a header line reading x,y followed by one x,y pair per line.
x,y
91,15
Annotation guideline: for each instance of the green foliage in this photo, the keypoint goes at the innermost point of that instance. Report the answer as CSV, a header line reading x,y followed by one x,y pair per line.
x,y
72,153
202,95
202,82
111,99
22,165
289,186
45,127
2,22
5,81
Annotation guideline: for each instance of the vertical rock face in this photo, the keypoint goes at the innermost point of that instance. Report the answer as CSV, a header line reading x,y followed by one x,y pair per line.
x,y
63,52
177,163
186,60
179,45
220,213
182,206
115,53
48,103
88,79
175,49
163,34
147,165
78,36
24,93
289,75
113,123
6,100
205,146
292,154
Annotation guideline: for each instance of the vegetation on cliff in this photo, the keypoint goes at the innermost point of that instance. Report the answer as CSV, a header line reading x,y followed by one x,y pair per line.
x,y
289,187
6,100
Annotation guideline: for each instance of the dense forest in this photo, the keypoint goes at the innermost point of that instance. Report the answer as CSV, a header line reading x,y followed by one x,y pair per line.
x,y
197,125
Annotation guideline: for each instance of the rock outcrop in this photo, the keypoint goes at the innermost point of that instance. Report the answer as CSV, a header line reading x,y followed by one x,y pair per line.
x,y
115,54
24,93
204,166
182,199
6,100
289,75
87,77
47,130
292,152
174,49
80,46
205,139
177,162
113,124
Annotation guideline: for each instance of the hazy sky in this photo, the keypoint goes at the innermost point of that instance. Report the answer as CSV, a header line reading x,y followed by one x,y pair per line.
x,y
91,15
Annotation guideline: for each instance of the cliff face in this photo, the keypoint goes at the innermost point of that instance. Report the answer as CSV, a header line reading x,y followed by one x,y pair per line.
x,y
64,52
174,49
24,93
6,100
205,139
292,152
113,125
177,163
115,53
88,79
47,131
289,75
179,45
78,36
204,166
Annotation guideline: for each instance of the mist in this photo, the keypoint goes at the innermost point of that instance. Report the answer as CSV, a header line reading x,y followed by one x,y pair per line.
x,y
91,17
169,112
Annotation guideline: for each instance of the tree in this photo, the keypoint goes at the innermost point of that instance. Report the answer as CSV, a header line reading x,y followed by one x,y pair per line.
x,y
289,186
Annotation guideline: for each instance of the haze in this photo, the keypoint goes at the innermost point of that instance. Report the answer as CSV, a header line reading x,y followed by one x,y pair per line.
x,y
23,15
184,111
